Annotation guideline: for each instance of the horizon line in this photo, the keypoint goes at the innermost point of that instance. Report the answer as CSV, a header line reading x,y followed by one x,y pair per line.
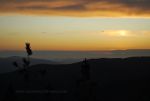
x,y
78,50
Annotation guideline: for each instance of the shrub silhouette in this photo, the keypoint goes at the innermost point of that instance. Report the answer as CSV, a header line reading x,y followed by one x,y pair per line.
x,y
28,49
26,62
85,70
29,52
15,64
85,87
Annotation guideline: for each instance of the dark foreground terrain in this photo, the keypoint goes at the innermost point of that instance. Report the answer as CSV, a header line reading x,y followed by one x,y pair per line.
x,y
110,80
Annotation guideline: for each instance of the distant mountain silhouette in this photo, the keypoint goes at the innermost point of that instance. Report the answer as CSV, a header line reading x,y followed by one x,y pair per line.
x,y
116,79
6,63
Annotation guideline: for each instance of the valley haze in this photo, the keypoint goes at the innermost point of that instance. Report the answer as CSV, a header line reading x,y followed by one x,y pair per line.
x,y
78,55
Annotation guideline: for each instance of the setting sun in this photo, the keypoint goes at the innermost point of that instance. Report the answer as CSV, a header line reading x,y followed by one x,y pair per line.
x,y
123,33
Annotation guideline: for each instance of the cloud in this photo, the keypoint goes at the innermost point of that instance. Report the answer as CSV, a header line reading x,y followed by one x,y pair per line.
x,y
105,8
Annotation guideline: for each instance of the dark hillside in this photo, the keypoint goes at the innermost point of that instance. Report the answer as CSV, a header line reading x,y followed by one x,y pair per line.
x,y
110,80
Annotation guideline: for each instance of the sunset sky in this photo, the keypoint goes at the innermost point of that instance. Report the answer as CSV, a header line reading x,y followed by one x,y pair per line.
x,y
75,24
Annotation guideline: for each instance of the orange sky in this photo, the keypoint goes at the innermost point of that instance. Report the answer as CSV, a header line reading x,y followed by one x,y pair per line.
x,y
71,33
75,24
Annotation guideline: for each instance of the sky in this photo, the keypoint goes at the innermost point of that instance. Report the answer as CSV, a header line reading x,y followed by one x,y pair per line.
x,y
75,24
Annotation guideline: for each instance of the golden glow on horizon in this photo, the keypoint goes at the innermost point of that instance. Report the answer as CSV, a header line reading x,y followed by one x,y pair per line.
x,y
71,33
108,40
121,33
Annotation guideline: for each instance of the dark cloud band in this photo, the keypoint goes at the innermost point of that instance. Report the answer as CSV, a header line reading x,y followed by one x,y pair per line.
x,y
79,7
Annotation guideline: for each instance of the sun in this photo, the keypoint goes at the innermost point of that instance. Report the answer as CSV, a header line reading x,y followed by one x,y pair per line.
x,y
122,33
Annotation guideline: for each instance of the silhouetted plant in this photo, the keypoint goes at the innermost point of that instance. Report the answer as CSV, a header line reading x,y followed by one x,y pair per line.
x,y
85,87
29,52
28,49
15,64
85,70
26,62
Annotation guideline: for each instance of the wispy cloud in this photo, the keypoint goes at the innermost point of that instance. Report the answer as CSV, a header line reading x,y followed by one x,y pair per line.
x,y
106,8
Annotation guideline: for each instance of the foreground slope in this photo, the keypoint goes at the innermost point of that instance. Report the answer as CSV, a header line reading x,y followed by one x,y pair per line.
x,y
110,80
